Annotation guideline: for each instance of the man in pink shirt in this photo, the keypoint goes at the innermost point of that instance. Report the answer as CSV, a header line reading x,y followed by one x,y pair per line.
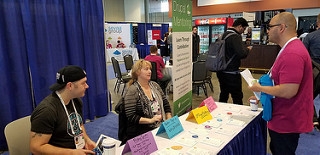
x,y
292,107
164,79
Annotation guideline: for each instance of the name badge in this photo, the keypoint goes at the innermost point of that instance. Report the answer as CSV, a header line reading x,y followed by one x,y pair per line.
x,y
79,141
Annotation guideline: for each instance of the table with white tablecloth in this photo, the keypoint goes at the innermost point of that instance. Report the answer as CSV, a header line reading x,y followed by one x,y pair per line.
x,y
234,129
118,53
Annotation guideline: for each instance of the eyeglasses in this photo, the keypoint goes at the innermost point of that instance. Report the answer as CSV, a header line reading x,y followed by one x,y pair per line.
x,y
270,26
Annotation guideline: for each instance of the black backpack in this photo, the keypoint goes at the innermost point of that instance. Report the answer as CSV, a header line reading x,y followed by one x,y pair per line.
x,y
216,58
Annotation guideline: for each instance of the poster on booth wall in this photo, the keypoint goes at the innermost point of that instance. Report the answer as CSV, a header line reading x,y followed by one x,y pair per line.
x,y
153,36
117,35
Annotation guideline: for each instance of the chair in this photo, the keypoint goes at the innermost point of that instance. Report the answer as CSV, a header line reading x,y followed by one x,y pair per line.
x,y
128,62
154,74
208,79
121,79
199,74
202,57
17,134
154,77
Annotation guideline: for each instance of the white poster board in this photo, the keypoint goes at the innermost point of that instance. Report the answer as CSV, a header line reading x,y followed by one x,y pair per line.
x,y
117,32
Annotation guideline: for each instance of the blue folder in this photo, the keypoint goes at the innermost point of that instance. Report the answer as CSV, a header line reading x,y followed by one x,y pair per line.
x,y
266,99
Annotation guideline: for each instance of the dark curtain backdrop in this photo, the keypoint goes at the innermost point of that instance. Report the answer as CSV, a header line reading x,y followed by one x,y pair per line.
x,y
37,38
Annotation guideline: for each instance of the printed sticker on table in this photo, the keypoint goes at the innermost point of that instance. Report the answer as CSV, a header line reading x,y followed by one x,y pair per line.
x,y
142,144
171,127
198,150
186,141
199,115
212,141
209,102
169,150
200,131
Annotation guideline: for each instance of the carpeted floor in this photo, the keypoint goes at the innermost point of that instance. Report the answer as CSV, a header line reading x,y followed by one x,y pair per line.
x,y
309,143
107,125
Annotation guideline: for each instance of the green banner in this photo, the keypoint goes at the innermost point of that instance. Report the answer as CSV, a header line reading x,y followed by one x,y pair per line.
x,y
183,104
181,15
181,56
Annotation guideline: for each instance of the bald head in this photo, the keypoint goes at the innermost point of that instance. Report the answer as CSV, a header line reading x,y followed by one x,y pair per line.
x,y
288,19
282,28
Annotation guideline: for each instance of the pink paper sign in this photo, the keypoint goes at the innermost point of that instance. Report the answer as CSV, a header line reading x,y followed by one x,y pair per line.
x,y
142,144
209,102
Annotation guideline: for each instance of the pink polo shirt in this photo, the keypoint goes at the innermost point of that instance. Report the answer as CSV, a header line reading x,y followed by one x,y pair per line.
x,y
293,115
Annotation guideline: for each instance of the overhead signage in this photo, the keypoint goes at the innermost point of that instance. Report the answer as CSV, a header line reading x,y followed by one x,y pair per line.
x,y
217,2
210,21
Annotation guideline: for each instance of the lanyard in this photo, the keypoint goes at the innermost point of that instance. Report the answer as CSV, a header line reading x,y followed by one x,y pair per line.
x,y
150,89
65,109
293,38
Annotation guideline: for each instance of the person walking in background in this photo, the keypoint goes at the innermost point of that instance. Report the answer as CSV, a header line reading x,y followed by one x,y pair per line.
x,y
195,44
170,41
165,50
249,36
312,43
230,79
57,122
146,106
292,107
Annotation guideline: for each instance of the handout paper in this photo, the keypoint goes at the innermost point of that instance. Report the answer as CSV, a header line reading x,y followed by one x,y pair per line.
x,y
246,74
186,141
236,122
198,151
212,141
166,151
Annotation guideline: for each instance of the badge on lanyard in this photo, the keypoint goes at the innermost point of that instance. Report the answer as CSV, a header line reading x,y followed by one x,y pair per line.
x,y
79,141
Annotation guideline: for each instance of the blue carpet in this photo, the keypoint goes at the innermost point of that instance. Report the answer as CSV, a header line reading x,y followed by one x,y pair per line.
x,y
107,125
309,143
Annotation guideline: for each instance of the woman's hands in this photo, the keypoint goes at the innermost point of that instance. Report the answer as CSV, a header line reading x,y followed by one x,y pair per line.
x,y
156,118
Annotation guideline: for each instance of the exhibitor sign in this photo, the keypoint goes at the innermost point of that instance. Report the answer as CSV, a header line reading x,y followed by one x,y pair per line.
x,y
182,56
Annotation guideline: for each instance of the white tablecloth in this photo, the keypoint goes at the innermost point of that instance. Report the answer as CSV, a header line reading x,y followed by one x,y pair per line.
x,y
168,70
224,127
118,53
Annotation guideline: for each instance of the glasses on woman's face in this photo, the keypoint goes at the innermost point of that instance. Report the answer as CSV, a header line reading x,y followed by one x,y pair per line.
x,y
270,26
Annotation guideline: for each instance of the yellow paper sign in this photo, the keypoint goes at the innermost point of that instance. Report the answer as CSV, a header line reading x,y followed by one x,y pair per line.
x,y
199,115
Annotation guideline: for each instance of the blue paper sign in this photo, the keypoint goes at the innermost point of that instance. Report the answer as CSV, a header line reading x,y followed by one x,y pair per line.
x,y
171,127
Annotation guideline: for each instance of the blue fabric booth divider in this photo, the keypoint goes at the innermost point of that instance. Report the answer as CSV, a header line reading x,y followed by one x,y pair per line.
x,y
142,45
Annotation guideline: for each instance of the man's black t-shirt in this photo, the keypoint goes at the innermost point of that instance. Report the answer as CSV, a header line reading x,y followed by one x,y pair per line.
x,y
49,117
